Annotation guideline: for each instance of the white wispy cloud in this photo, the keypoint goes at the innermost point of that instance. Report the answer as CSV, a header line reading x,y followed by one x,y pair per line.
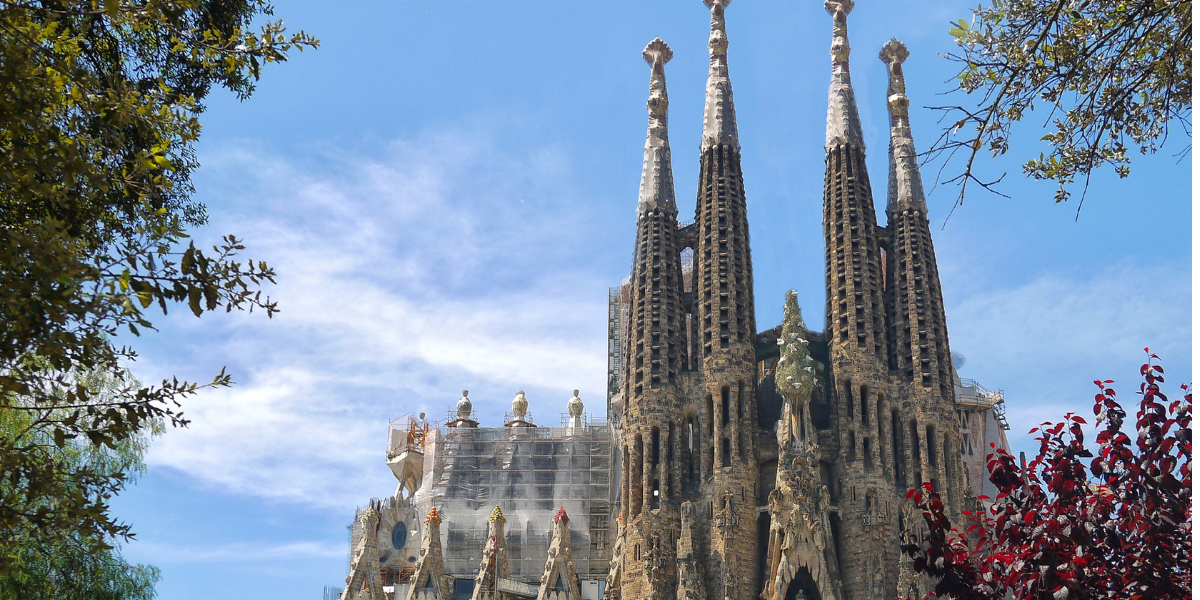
x,y
445,262
239,552
1044,341
403,279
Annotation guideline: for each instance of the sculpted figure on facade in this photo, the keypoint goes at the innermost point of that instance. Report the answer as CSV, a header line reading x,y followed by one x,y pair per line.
x,y
799,504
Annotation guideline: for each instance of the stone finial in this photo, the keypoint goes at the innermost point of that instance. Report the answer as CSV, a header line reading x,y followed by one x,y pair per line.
x,y
520,406
464,408
433,518
893,51
560,516
497,516
842,123
833,6
905,189
720,120
718,43
658,186
839,9
657,53
575,405
893,54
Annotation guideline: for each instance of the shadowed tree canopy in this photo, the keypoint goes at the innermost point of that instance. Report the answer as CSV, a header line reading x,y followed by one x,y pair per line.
x,y
1107,77
98,122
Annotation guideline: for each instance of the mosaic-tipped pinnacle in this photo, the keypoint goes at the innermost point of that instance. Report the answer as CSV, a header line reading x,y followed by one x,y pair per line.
x,y
832,6
561,516
711,3
894,51
657,52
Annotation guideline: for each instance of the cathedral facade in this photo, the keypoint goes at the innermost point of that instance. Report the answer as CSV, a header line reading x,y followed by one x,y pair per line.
x,y
731,464
722,503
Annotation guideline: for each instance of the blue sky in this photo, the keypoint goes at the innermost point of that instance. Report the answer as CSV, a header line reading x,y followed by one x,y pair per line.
x,y
447,191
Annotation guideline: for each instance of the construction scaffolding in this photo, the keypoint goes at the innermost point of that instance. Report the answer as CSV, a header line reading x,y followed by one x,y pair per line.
x,y
982,423
972,395
618,319
528,472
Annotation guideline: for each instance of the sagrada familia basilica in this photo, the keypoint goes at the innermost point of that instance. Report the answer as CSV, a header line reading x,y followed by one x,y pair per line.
x,y
731,464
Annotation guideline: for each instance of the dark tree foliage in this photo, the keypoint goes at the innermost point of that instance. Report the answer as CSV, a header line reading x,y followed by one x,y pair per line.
x,y
69,567
98,120
1110,76
1117,526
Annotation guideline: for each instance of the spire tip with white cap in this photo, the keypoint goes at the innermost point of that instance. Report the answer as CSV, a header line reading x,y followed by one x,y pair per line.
x,y
720,120
842,125
658,186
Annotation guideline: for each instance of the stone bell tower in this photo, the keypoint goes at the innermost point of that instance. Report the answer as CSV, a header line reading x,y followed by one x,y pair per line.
x,y
920,342
655,360
726,332
865,522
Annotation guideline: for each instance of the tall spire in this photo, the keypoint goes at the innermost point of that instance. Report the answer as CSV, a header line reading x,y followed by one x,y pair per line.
x,y
726,334
904,174
655,355
720,121
658,187
842,124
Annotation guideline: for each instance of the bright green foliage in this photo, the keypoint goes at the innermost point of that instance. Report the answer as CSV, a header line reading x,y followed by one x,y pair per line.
x,y
1111,74
98,120
70,566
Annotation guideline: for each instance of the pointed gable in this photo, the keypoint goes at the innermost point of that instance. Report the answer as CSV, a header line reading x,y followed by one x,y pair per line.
x,y
494,565
559,581
429,578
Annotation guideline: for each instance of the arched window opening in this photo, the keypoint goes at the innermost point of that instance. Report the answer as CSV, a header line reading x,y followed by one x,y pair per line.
x,y
898,453
849,399
635,480
915,444
654,445
931,445
725,405
862,407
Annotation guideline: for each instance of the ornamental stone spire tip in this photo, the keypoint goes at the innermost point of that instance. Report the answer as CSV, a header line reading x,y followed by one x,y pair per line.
x,y
842,124
905,189
720,120
658,187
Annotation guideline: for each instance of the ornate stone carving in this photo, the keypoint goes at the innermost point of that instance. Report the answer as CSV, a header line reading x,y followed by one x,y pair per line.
x,y
691,577
720,120
429,580
559,581
799,504
658,187
364,565
904,173
842,125
495,560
